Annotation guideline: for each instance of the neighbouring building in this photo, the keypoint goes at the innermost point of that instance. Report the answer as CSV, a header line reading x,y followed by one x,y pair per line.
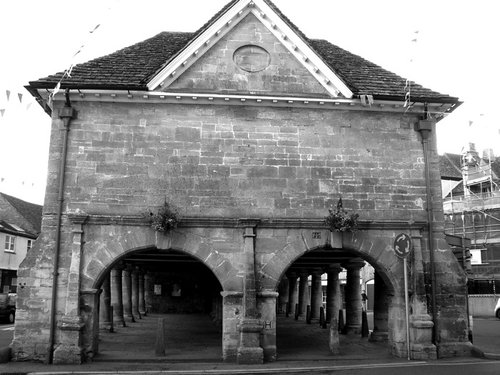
x,y
20,224
252,131
472,213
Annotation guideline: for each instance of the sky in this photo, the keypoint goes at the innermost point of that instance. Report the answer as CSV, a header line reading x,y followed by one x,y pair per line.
x,y
450,46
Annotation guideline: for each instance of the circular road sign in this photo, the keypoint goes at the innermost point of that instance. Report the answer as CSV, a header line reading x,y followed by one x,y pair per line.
x,y
402,245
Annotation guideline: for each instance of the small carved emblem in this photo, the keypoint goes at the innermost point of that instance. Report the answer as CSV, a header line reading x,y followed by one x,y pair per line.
x,y
252,58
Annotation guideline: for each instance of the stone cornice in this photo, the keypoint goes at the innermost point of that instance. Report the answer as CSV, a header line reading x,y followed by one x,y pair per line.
x,y
186,98
213,222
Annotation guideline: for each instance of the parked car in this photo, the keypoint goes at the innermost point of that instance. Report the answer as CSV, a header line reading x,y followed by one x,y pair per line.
x,y
497,309
8,307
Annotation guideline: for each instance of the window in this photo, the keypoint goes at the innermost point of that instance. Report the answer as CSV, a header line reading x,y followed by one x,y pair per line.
x,y
29,245
10,243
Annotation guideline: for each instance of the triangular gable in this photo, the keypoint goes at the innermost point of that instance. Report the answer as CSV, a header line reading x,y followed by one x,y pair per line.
x,y
249,60
226,22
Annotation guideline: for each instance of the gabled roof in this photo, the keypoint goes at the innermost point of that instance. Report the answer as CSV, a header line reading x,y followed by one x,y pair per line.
x,y
13,229
31,212
450,166
133,67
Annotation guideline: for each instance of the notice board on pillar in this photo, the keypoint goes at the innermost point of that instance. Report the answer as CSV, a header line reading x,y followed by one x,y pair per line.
x,y
157,289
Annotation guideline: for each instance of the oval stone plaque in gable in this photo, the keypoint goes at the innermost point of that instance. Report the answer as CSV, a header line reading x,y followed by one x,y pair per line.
x,y
252,58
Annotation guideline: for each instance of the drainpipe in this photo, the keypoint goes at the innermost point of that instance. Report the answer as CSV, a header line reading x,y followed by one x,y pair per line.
x,y
425,127
65,114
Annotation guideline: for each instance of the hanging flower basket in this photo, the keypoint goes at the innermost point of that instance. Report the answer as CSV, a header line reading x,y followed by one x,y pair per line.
x,y
339,220
165,219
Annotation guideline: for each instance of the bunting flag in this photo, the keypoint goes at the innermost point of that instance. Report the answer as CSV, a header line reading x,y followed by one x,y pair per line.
x,y
6,103
407,103
67,73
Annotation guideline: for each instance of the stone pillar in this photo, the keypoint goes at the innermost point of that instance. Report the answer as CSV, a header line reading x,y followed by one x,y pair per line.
x,y
283,296
117,296
267,309
333,294
135,292
217,312
148,291
90,317
293,296
353,301
105,318
142,299
303,293
232,306
421,324
127,293
249,350
333,305
316,293
68,347
380,310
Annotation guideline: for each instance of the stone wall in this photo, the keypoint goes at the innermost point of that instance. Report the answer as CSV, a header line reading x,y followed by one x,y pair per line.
x,y
240,161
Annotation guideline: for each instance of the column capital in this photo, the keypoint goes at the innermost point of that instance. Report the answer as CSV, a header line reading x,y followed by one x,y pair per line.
x,y
118,266
354,264
334,267
316,271
303,273
248,223
127,268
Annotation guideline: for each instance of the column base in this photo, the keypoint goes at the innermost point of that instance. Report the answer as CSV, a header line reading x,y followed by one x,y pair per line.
x,y
68,355
379,336
270,353
105,326
250,356
249,351
353,330
68,351
454,349
423,351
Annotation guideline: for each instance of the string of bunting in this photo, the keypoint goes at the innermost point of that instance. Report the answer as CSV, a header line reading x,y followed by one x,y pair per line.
x,y
25,183
9,98
407,103
67,72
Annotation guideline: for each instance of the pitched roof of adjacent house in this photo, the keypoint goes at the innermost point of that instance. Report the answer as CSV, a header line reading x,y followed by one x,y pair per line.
x,y
15,230
450,166
131,68
31,212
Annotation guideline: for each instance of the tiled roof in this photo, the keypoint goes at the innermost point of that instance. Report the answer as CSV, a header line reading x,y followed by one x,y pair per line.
x,y
450,166
30,211
9,228
133,67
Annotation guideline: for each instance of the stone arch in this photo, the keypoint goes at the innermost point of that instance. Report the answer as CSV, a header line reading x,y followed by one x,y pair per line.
x,y
105,245
372,246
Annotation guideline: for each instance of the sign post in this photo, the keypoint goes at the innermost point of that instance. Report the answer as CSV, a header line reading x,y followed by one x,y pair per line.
x,y
402,248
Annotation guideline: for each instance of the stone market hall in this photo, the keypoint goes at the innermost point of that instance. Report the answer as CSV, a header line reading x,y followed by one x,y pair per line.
x,y
251,131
